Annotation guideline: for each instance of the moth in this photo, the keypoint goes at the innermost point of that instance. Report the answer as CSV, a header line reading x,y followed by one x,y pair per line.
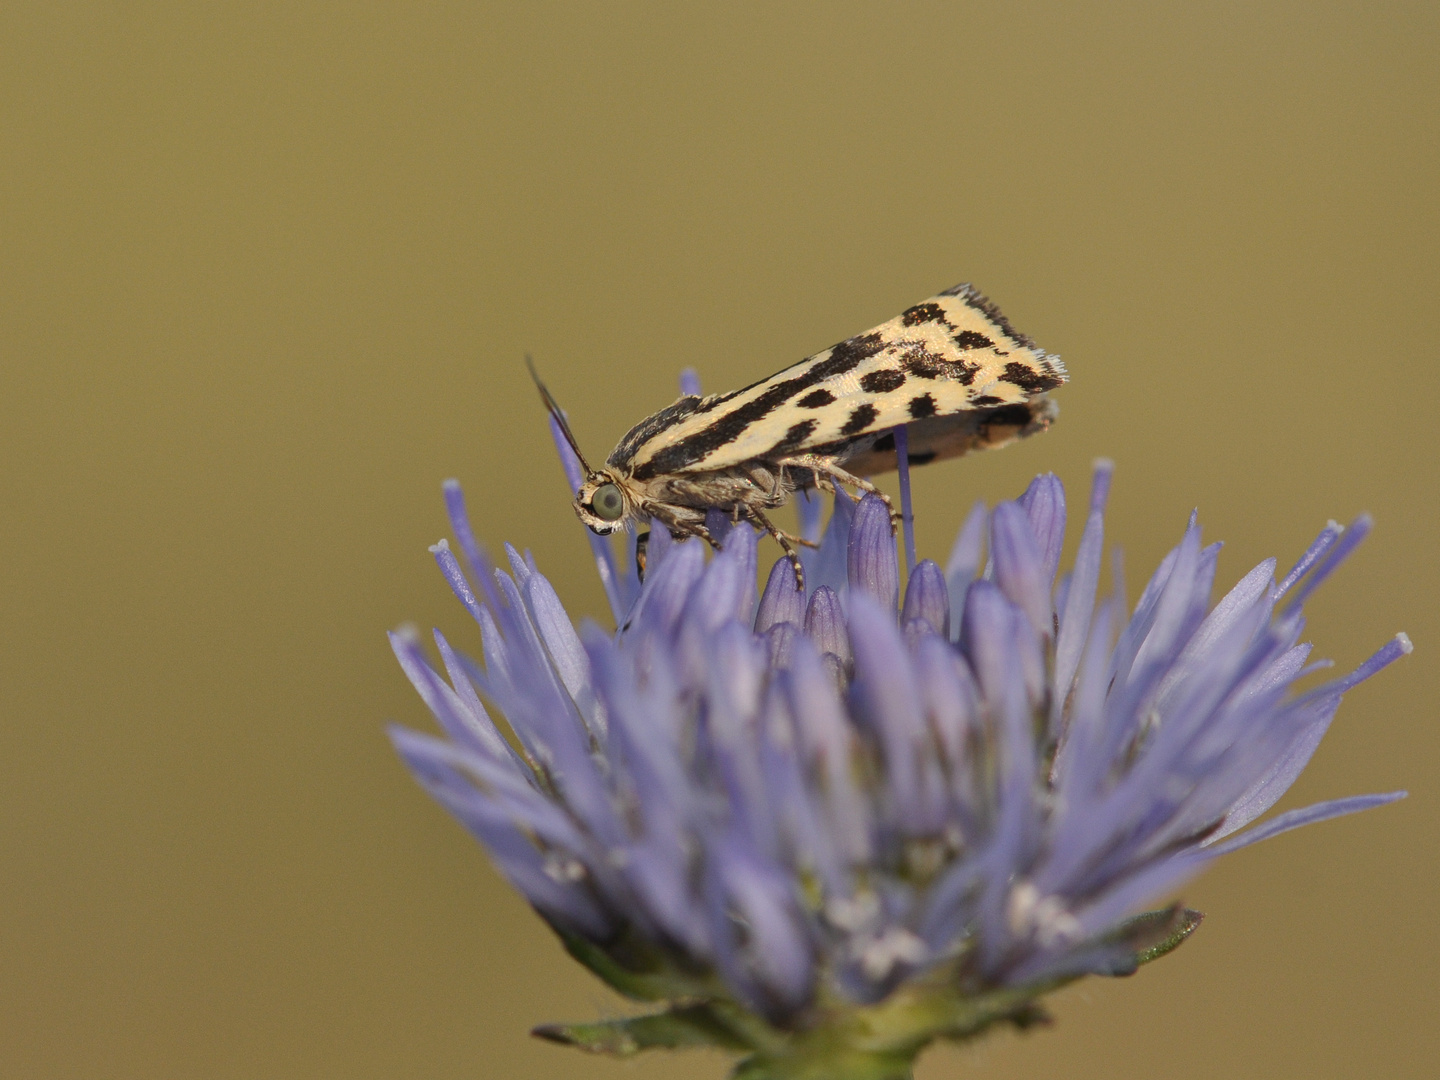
x,y
952,370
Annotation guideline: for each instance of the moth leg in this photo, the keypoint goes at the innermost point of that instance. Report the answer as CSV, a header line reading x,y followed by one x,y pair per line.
x,y
784,539
822,482
642,547
679,528
834,475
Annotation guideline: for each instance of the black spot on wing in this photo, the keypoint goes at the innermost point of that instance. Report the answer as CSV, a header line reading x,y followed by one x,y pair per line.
x,y
922,406
882,381
794,438
846,356
816,399
923,313
922,363
1030,380
972,339
986,400
861,417
729,426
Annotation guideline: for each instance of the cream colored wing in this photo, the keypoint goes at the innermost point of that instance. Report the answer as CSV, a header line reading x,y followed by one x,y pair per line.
x,y
953,353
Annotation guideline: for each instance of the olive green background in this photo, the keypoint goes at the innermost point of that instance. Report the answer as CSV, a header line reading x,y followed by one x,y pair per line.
x,y
269,271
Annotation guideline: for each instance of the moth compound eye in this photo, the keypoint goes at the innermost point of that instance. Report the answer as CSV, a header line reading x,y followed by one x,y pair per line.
x,y
607,503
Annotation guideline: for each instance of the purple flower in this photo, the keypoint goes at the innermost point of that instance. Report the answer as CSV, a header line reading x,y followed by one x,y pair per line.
x,y
847,821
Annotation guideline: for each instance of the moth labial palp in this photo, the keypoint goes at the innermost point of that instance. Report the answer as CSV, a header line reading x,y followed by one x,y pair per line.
x,y
951,371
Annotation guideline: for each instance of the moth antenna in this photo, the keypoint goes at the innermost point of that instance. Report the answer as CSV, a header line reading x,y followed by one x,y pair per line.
x,y
553,407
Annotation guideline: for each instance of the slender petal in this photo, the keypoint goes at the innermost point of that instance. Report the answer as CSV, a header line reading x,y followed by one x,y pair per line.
x,y
782,601
1077,611
1283,823
1044,504
771,966
825,624
1020,565
872,565
1348,541
965,558
562,902
480,564
926,598
829,567
1313,554
887,702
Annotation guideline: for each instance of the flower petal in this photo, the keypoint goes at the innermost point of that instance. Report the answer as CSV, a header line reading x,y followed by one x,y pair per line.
x,y
872,565
825,624
1309,815
1044,505
1020,567
830,563
965,557
927,598
782,601
885,696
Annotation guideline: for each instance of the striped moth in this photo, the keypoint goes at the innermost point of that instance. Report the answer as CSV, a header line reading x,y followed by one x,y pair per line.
x,y
952,370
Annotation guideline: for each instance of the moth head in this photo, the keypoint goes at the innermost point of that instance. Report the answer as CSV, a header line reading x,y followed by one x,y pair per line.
x,y
602,502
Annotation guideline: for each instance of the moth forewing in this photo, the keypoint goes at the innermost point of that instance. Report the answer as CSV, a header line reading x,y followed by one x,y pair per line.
x,y
952,353
952,369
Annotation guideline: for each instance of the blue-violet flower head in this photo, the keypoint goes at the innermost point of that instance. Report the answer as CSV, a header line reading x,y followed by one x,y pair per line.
x,y
827,826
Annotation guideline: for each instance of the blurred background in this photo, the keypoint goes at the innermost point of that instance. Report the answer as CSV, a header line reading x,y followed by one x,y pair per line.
x,y
269,272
